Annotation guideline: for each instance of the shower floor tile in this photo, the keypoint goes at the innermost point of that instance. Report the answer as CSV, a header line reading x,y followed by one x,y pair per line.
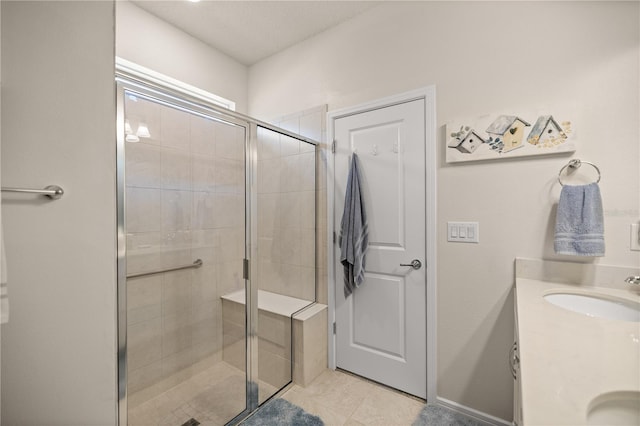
x,y
211,397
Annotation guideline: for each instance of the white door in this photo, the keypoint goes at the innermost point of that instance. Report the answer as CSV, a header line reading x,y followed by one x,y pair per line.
x,y
381,328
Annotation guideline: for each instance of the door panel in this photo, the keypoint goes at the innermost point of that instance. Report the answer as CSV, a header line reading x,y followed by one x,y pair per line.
x,y
383,181
378,315
381,327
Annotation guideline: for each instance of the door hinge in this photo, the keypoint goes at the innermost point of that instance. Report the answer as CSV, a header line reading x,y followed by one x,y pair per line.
x,y
335,327
334,237
245,269
333,147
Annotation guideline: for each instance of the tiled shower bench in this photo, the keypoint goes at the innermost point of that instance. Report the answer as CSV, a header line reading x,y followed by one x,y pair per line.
x,y
275,312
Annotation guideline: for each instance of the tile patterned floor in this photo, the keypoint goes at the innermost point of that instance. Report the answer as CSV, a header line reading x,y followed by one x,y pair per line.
x,y
215,395
339,398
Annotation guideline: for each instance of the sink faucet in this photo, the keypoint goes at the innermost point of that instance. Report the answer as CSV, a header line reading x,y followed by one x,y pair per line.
x,y
633,279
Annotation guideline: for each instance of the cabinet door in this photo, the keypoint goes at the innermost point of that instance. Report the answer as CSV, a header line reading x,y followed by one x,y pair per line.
x,y
514,361
515,370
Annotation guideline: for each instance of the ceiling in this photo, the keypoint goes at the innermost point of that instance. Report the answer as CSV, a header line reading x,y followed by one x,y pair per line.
x,y
250,31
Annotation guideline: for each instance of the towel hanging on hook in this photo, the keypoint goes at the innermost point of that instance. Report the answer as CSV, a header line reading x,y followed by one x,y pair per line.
x,y
354,230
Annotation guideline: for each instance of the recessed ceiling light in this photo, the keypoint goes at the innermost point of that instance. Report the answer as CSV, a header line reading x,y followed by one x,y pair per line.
x,y
194,1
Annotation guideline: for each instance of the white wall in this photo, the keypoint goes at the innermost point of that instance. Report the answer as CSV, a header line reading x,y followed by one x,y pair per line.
x,y
58,111
148,41
486,57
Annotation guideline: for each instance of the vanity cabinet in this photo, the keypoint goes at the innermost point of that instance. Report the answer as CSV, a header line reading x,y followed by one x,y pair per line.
x,y
571,365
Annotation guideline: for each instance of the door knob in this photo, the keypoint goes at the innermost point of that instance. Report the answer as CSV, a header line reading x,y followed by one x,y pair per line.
x,y
415,264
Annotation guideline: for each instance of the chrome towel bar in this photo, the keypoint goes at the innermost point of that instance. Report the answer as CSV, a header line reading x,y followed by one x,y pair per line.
x,y
196,264
52,191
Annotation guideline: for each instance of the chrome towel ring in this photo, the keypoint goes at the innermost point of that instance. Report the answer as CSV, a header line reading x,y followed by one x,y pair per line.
x,y
575,164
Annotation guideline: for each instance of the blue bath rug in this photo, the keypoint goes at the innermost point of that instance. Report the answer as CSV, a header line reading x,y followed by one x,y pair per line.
x,y
280,412
437,415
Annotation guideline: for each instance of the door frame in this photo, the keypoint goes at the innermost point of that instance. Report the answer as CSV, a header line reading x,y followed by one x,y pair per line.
x,y
428,94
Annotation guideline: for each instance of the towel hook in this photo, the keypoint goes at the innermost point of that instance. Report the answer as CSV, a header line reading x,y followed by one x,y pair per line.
x,y
575,164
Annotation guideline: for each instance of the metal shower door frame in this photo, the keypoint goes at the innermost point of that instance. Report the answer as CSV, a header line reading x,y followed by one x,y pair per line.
x,y
164,96
192,103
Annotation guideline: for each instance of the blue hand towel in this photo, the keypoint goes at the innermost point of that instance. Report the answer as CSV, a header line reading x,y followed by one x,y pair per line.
x,y
354,231
579,221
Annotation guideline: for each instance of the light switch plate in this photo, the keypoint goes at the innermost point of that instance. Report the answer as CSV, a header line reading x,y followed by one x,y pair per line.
x,y
635,236
463,232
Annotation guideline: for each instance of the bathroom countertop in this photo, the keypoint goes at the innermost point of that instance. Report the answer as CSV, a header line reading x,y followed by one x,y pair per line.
x,y
566,358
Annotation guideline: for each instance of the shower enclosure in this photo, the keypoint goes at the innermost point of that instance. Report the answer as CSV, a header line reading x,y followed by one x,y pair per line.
x,y
216,253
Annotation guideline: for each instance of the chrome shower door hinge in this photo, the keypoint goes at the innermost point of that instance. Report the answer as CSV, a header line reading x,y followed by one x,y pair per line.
x,y
245,269
333,147
335,327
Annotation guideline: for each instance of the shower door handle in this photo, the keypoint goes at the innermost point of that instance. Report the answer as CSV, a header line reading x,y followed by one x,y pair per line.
x,y
415,264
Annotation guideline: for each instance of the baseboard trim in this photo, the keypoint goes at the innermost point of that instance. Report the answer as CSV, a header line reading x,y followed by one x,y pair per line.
x,y
477,415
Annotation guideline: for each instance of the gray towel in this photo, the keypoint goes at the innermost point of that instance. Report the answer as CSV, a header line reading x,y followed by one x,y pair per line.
x,y
580,222
354,231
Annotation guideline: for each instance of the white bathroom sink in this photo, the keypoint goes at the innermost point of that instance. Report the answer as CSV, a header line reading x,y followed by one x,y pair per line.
x,y
596,306
615,408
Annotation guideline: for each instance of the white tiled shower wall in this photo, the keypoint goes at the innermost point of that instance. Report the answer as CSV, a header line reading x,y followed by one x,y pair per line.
x,y
289,203
286,218
184,201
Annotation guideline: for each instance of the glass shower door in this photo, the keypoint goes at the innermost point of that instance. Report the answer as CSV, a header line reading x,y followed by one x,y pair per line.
x,y
285,257
184,223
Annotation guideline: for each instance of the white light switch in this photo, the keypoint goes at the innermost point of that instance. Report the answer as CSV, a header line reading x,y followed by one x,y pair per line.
x,y
463,232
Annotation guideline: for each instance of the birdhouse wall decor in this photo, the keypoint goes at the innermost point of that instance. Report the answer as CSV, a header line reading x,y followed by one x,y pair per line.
x,y
497,136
